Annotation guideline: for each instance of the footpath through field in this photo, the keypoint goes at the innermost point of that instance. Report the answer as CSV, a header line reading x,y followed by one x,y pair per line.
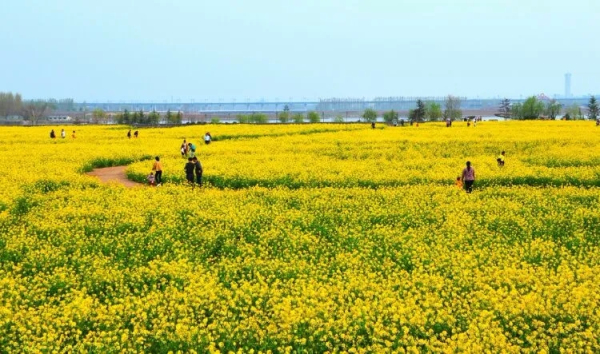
x,y
114,174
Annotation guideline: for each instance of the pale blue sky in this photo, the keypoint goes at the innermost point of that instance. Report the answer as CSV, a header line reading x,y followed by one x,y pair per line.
x,y
99,50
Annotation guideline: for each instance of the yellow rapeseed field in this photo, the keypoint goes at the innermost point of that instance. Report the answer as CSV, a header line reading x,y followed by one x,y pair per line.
x,y
306,238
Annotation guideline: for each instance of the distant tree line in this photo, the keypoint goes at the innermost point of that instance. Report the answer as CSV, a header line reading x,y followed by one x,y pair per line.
x,y
151,118
534,108
13,105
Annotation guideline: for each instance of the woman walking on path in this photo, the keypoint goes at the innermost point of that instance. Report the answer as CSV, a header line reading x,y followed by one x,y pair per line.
x,y
158,168
468,177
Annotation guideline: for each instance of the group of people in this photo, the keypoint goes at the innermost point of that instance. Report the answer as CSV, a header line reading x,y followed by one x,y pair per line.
x,y
193,172
193,168
467,179
189,149
155,177
63,134
135,134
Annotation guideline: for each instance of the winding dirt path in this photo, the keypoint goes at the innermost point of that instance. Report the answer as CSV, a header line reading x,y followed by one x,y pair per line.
x,y
114,174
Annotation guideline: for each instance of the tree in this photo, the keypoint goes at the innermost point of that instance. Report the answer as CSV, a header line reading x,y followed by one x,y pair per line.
x,y
179,117
433,111
98,116
298,118
284,116
515,110
593,109
34,110
390,117
505,109
574,112
126,117
338,119
532,108
170,117
314,117
370,115
140,117
259,118
419,113
153,118
243,118
10,104
553,109
452,109
286,108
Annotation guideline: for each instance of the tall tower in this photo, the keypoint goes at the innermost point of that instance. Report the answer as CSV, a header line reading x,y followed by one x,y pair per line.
x,y
568,85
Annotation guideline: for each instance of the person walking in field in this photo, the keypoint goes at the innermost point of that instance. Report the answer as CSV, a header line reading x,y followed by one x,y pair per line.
x,y
372,125
52,134
207,138
157,167
191,152
198,170
189,171
73,135
184,148
129,134
63,134
136,134
500,159
468,177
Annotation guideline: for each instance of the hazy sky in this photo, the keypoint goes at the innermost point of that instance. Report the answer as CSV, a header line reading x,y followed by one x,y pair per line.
x,y
98,50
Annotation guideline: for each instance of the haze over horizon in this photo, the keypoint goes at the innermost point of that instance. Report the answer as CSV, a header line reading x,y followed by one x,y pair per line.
x,y
210,50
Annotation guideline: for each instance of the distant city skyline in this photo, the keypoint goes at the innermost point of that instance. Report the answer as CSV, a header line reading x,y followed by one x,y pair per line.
x,y
159,50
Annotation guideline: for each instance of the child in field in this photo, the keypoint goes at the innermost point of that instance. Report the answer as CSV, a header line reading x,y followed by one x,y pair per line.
x,y
500,159
184,148
150,178
459,183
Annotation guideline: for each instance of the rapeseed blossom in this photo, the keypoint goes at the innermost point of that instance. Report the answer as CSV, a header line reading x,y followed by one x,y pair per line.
x,y
325,238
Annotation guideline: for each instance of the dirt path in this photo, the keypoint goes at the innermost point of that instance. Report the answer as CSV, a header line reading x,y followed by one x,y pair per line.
x,y
114,174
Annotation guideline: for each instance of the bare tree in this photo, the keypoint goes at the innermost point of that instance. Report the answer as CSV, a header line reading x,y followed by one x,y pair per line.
x,y
505,109
34,110
452,108
98,116
10,104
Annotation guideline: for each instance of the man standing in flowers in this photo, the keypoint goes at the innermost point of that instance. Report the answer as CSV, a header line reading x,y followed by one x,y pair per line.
x,y
189,171
198,170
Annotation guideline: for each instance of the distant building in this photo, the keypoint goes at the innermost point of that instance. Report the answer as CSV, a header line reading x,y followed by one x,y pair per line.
x,y
59,118
568,86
